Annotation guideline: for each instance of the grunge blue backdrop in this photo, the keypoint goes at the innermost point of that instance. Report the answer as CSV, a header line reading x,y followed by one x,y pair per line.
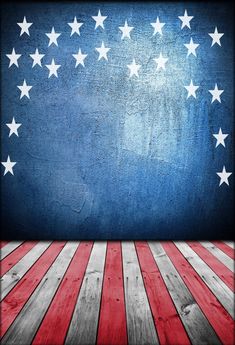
x,y
104,156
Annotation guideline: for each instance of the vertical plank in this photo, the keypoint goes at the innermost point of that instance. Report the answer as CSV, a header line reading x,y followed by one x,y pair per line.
x,y
55,324
215,284
215,313
219,254
15,256
11,278
167,321
197,326
83,327
226,249
8,248
26,324
140,325
18,296
112,329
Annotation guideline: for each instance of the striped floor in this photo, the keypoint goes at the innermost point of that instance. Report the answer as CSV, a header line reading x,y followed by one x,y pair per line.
x,y
117,293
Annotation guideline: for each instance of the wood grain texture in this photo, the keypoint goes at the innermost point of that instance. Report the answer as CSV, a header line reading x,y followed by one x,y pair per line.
x,y
12,277
219,254
230,244
26,324
83,326
226,249
9,248
215,284
140,325
195,322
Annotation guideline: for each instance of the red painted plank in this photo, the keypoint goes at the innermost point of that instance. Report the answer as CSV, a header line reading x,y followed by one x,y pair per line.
x,y
3,243
11,259
218,317
168,324
216,265
225,248
112,329
55,324
12,304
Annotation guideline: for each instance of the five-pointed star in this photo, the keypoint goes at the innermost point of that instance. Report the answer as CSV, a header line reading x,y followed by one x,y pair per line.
x,y
161,61
216,36
126,30
53,36
224,175
220,137
13,58
99,20
24,89
191,89
157,27
24,27
185,20
8,165
36,58
191,46
102,52
134,68
53,68
75,26
79,58
13,127
216,94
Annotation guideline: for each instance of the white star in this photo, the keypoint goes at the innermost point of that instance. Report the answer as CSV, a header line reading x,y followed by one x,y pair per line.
x,y
220,137
134,68
216,94
161,61
8,165
185,20
13,58
53,68
75,26
126,30
102,52
13,127
157,27
191,89
224,175
191,47
79,58
53,36
24,89
99,20
36,58
24,27
216,37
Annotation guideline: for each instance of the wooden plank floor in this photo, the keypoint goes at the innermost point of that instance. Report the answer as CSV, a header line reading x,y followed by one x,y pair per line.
x,y
117,293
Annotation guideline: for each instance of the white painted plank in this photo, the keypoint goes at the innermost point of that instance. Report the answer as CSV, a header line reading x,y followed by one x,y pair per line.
x,y
140,324
230,244
83,327
219,254
215,284
197,326
11,278
8,248
26,324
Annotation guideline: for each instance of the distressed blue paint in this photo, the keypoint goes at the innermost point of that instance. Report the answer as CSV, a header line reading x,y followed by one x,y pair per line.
x,y
102,156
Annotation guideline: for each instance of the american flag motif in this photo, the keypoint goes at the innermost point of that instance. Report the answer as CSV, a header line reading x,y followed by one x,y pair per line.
x,y
171,293
117,120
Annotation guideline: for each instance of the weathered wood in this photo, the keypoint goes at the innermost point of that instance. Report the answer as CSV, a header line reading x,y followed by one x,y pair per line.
x,y
83,326
140,325
197,326
219,254
215,284
8,248
11,278
230,244
26,324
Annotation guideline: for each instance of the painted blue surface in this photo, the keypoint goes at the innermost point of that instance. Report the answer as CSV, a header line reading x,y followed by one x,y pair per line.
x,y
103,156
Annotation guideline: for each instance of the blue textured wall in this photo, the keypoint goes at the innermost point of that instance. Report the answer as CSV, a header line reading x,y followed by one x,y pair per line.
x,y
100,155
